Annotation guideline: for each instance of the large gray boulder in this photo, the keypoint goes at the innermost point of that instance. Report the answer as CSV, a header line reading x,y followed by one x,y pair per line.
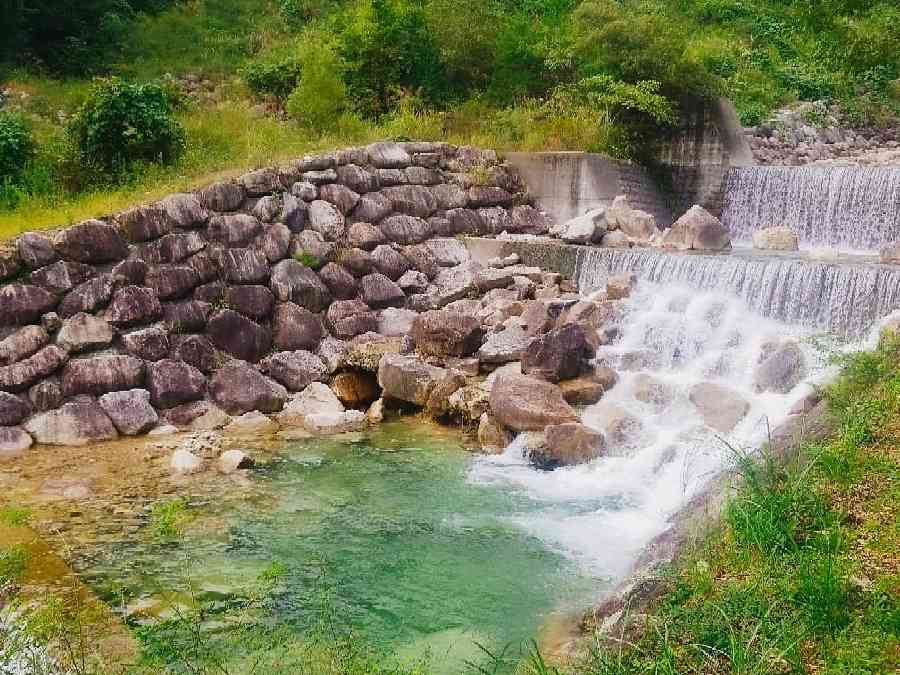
x,y
273,243
697,230
222,196
366,236
21,304
184,210
378,292
78,422
84,332
172,248
568,444
408,378
448,252
90,296
505,346
239,388
781,370
386,155
411,200
349,318
13,409
389,262
561,354
372,208
445,333
35,250
132,306
170,282
340,196
295,370
341,284
326,219
60,277
316,399
356,178
149,344
239,336
720,407
524,403
255,302
91,242
130,411
14,441
293,282
295,327
186,316
22,343
526,219
243,266
778,238
233,231
144,223
196,351
637,225
405,229
101,374
22,374
172,383
582,229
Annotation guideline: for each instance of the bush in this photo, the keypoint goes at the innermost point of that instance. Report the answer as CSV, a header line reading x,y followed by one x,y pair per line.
x,y
390,53
273,76
16,147
121,124
309,260
321,96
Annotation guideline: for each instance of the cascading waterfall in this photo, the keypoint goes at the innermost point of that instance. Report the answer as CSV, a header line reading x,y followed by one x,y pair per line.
x,y
842,298
603,513
850,208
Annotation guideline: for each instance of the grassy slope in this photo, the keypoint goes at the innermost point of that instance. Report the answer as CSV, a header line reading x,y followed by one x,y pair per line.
x,y
803,575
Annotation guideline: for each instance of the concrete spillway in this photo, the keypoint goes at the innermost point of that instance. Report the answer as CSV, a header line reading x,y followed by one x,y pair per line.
x,y
839,297
851,208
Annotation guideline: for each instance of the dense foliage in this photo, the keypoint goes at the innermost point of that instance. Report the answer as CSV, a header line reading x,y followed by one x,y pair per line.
x,y
16,147
598,75
121,124
72,39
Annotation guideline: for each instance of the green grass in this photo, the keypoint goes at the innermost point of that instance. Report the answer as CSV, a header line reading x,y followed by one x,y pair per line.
x,y
802,575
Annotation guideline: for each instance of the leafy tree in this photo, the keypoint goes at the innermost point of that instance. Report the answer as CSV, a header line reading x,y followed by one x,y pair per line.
x,y
121,124
390,53
321,95
69,38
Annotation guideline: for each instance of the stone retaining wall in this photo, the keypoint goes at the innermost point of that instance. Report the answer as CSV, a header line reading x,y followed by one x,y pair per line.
x,y
216,303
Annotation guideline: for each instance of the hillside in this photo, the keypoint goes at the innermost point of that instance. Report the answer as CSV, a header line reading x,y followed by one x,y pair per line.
x,y
252,81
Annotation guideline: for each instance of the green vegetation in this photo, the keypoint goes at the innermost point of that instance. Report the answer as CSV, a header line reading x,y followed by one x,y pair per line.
x,y
167,517
309,260
600,75
122,124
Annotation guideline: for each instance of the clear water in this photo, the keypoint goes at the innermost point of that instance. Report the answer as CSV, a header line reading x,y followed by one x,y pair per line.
x,y
415,554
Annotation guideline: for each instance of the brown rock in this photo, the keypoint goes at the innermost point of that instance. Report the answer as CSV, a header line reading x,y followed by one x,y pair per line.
x,y
524,403
239,388
356,388
445,333
239,336
91,242
295,328
173,382
567,445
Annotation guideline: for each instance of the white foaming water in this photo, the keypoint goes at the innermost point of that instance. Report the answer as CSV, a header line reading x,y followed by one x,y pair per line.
x,y
604,512
851,208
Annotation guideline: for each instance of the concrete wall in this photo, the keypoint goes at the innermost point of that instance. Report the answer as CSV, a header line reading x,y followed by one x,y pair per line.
x,y
566,184
693,161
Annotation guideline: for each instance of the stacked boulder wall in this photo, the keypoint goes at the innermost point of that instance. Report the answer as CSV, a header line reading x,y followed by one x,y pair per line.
x,y
227,298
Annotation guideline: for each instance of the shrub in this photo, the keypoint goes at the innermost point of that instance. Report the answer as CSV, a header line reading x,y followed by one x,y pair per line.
x,y
273,76
308,259
16,147
390,53
121,124
321,96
